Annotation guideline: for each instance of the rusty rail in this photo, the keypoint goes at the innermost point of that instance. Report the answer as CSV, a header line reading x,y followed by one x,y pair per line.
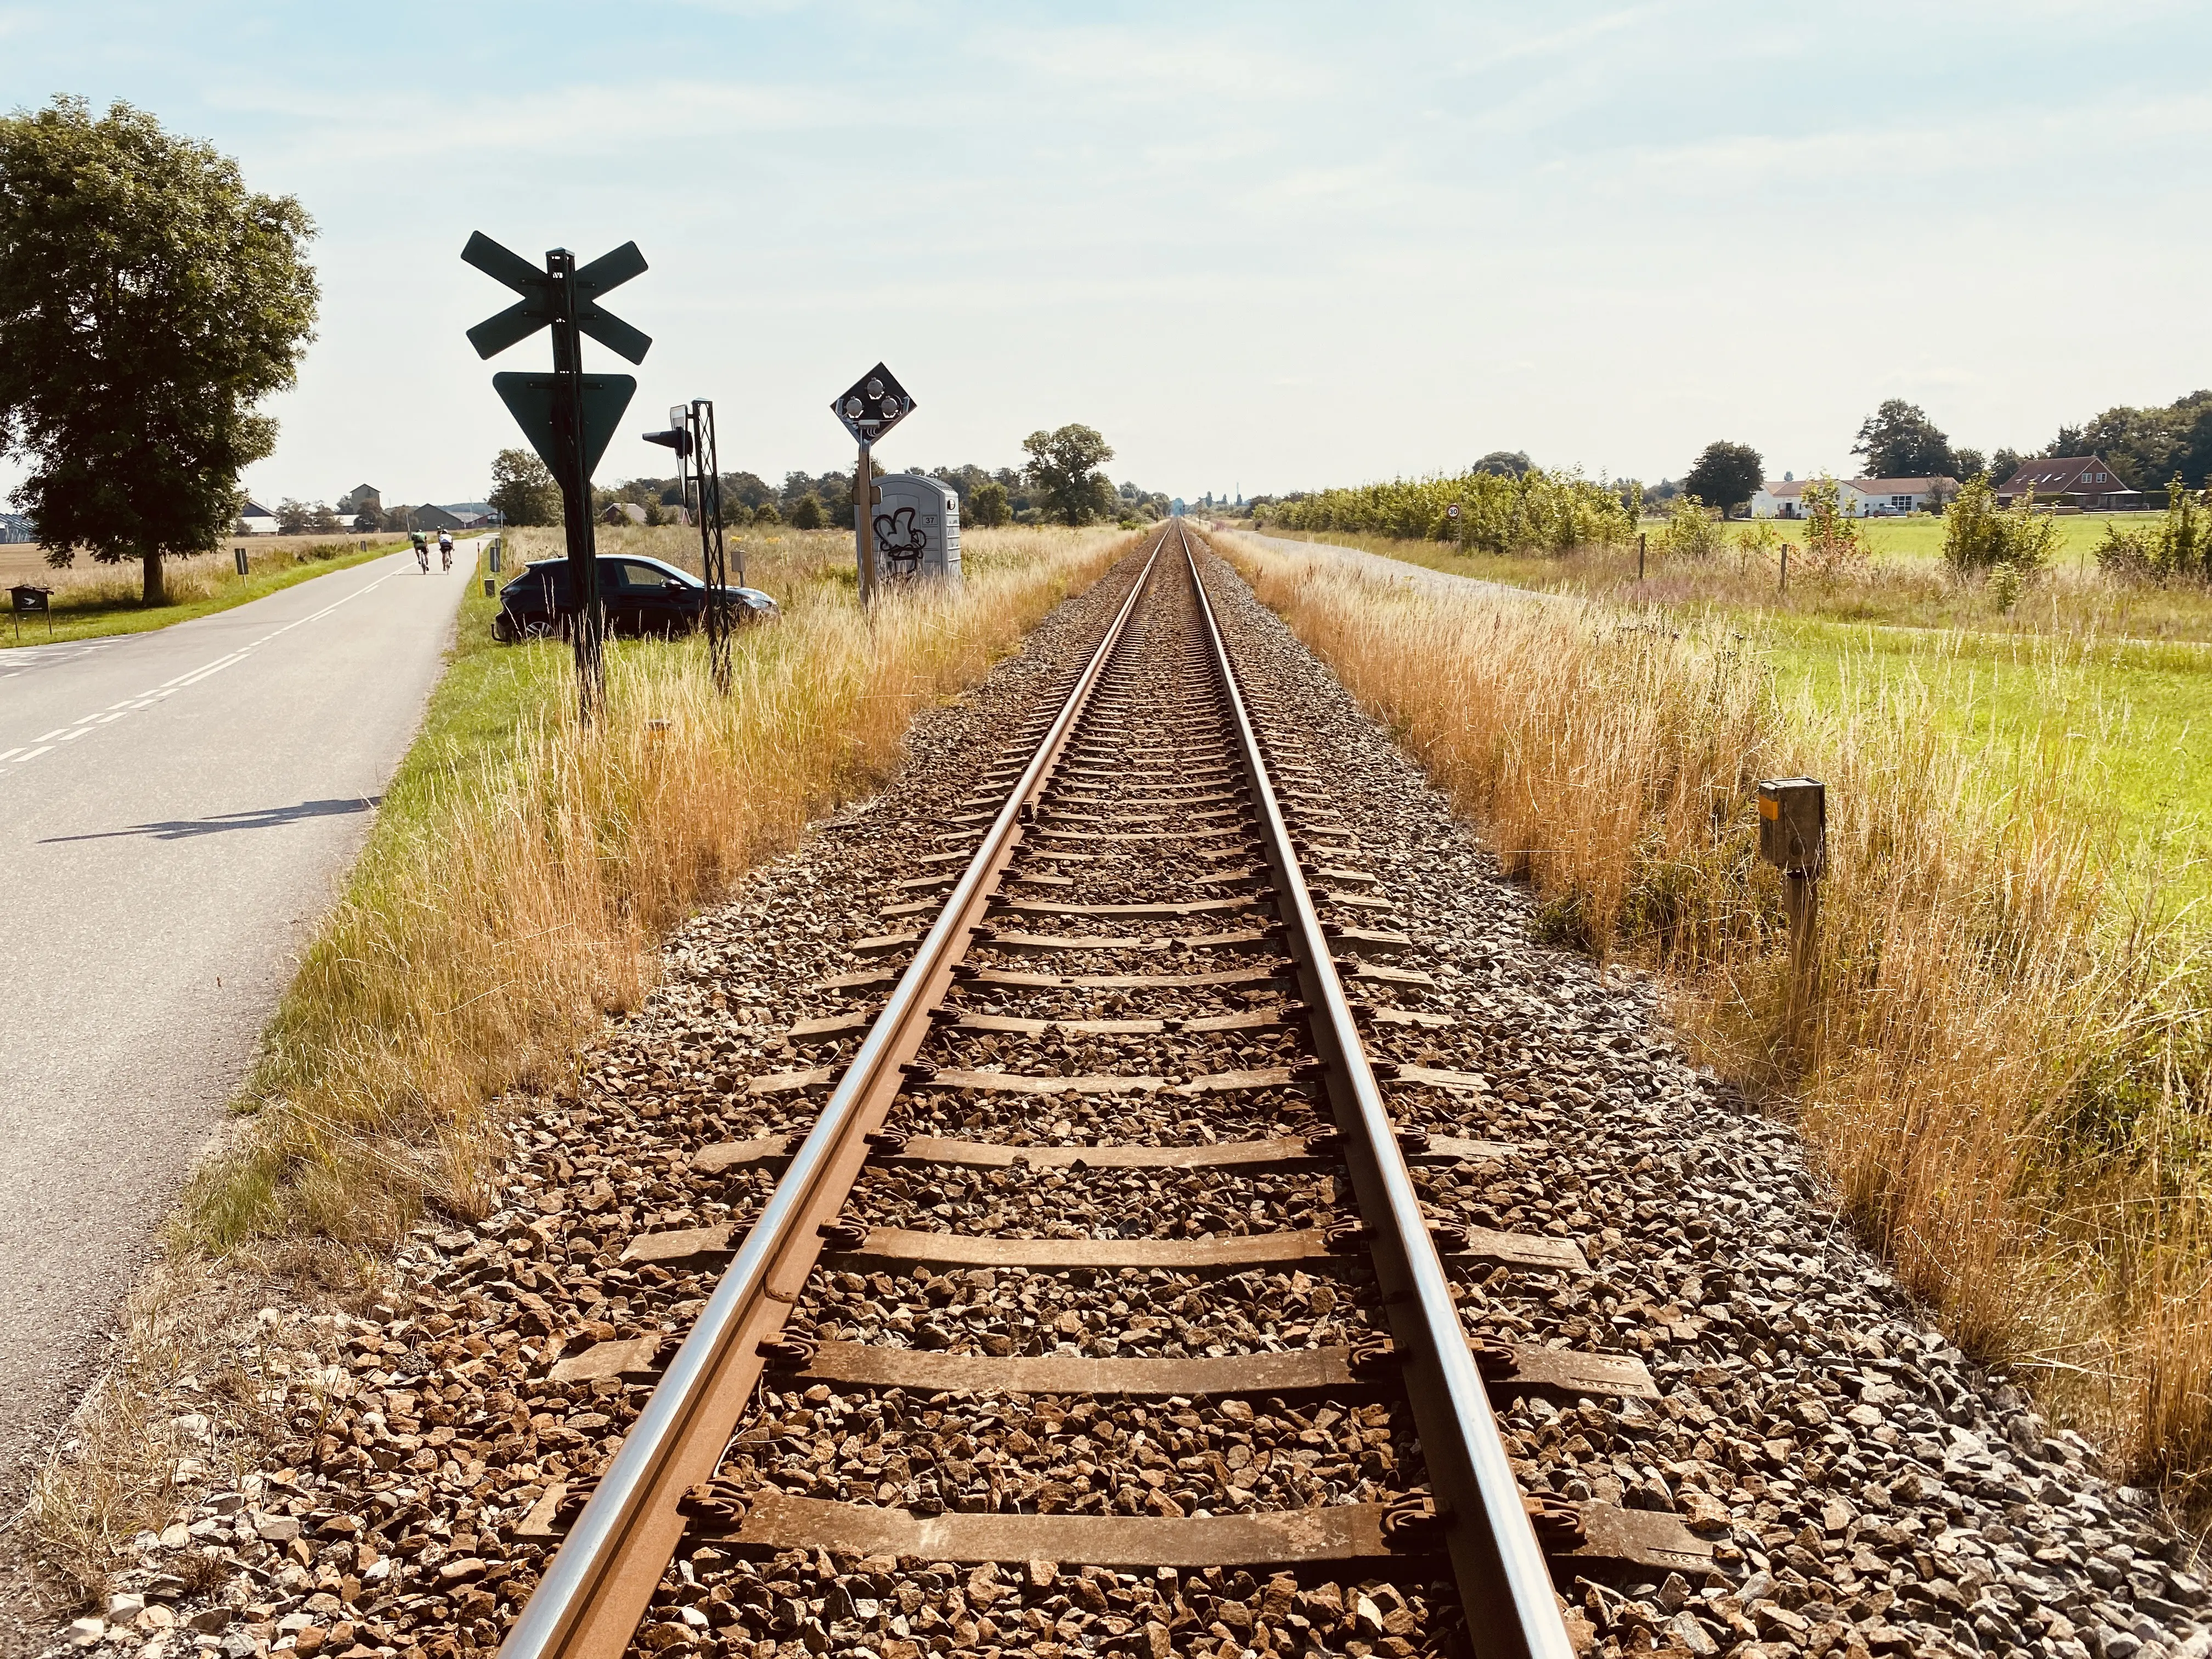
x,y
602,1580
1505,1587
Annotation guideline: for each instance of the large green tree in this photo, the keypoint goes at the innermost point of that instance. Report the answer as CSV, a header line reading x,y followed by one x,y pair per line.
x,y
148,301
1726,474
1063,470
523,488
1899,441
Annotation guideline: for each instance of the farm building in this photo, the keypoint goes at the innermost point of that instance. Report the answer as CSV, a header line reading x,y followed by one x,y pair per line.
x,y
1857,498
16,528
2087,483
255,519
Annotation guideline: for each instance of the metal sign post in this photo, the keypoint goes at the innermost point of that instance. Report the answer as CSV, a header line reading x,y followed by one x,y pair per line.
x,y
568,415
871,406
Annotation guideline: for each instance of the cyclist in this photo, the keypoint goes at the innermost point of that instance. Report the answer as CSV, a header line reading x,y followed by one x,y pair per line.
x,y
444,550
421,550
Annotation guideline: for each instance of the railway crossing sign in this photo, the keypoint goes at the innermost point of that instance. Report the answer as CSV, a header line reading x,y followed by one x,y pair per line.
x,y
873,404
568,415
540,306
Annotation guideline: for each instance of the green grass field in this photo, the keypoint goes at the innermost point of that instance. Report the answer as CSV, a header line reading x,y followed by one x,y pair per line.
x,y
1921,536
2123,725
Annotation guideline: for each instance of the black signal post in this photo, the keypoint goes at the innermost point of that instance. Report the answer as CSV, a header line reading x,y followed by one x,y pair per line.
x,y
568,415
691,434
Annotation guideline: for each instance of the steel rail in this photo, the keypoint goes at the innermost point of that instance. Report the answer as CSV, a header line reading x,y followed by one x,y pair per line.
x,y
1504,1585
600,1583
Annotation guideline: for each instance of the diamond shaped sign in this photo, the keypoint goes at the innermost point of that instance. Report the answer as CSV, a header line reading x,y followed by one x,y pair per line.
x,y
872,404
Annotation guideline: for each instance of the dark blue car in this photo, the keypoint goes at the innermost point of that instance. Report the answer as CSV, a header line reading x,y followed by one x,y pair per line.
x,y
641,597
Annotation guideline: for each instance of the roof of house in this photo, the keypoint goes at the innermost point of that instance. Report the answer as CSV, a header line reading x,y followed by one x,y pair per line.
x,y
2063,475
255,510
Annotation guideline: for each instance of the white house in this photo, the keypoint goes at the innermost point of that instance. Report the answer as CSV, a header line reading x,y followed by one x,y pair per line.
x,y
255,519
1855,498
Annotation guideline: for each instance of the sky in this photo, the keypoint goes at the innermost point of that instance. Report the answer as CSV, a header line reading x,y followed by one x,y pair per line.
x,y
1260,247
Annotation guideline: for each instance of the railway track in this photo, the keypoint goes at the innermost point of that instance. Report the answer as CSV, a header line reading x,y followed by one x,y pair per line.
x,y
1190,1369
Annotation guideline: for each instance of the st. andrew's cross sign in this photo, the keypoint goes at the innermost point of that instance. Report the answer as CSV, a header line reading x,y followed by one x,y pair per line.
x,y
568,415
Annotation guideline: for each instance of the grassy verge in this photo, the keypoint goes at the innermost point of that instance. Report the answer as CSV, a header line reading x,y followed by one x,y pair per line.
x,y
2007,1078
93,601
523,869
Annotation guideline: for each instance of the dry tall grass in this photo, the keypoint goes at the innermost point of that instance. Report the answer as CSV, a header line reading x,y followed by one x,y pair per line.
x,y
518,896
2074,600
2006,1078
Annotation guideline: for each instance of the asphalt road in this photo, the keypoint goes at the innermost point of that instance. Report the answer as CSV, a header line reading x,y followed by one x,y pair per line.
x,y
176,810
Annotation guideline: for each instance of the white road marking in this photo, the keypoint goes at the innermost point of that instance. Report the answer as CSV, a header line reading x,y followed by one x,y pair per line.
x,y
190,676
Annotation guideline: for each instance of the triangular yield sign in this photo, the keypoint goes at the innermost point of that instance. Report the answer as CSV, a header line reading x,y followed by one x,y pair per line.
x,y
529,399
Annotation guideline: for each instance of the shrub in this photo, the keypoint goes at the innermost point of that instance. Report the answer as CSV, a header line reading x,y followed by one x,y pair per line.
x,y
2182,543
1980,535
1759,539
1692,530
2126,554
807,514
1833,550
766,514
1536,512
2006,583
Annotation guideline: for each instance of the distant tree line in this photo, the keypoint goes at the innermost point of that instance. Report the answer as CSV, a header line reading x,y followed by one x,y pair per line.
x,y
2148,448
1063,482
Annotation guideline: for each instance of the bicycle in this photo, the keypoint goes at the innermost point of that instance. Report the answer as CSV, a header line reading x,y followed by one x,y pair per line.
x,y
445,553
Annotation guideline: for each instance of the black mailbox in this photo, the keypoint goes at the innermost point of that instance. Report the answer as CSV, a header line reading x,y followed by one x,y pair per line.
x,y
1793,824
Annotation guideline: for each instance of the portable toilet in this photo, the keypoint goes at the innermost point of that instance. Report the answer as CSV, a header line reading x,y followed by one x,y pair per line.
x,y
917,521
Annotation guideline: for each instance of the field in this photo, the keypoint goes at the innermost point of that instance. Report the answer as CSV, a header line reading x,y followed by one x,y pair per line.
x,y
92,600
2122,725
1920,535
2008,1076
